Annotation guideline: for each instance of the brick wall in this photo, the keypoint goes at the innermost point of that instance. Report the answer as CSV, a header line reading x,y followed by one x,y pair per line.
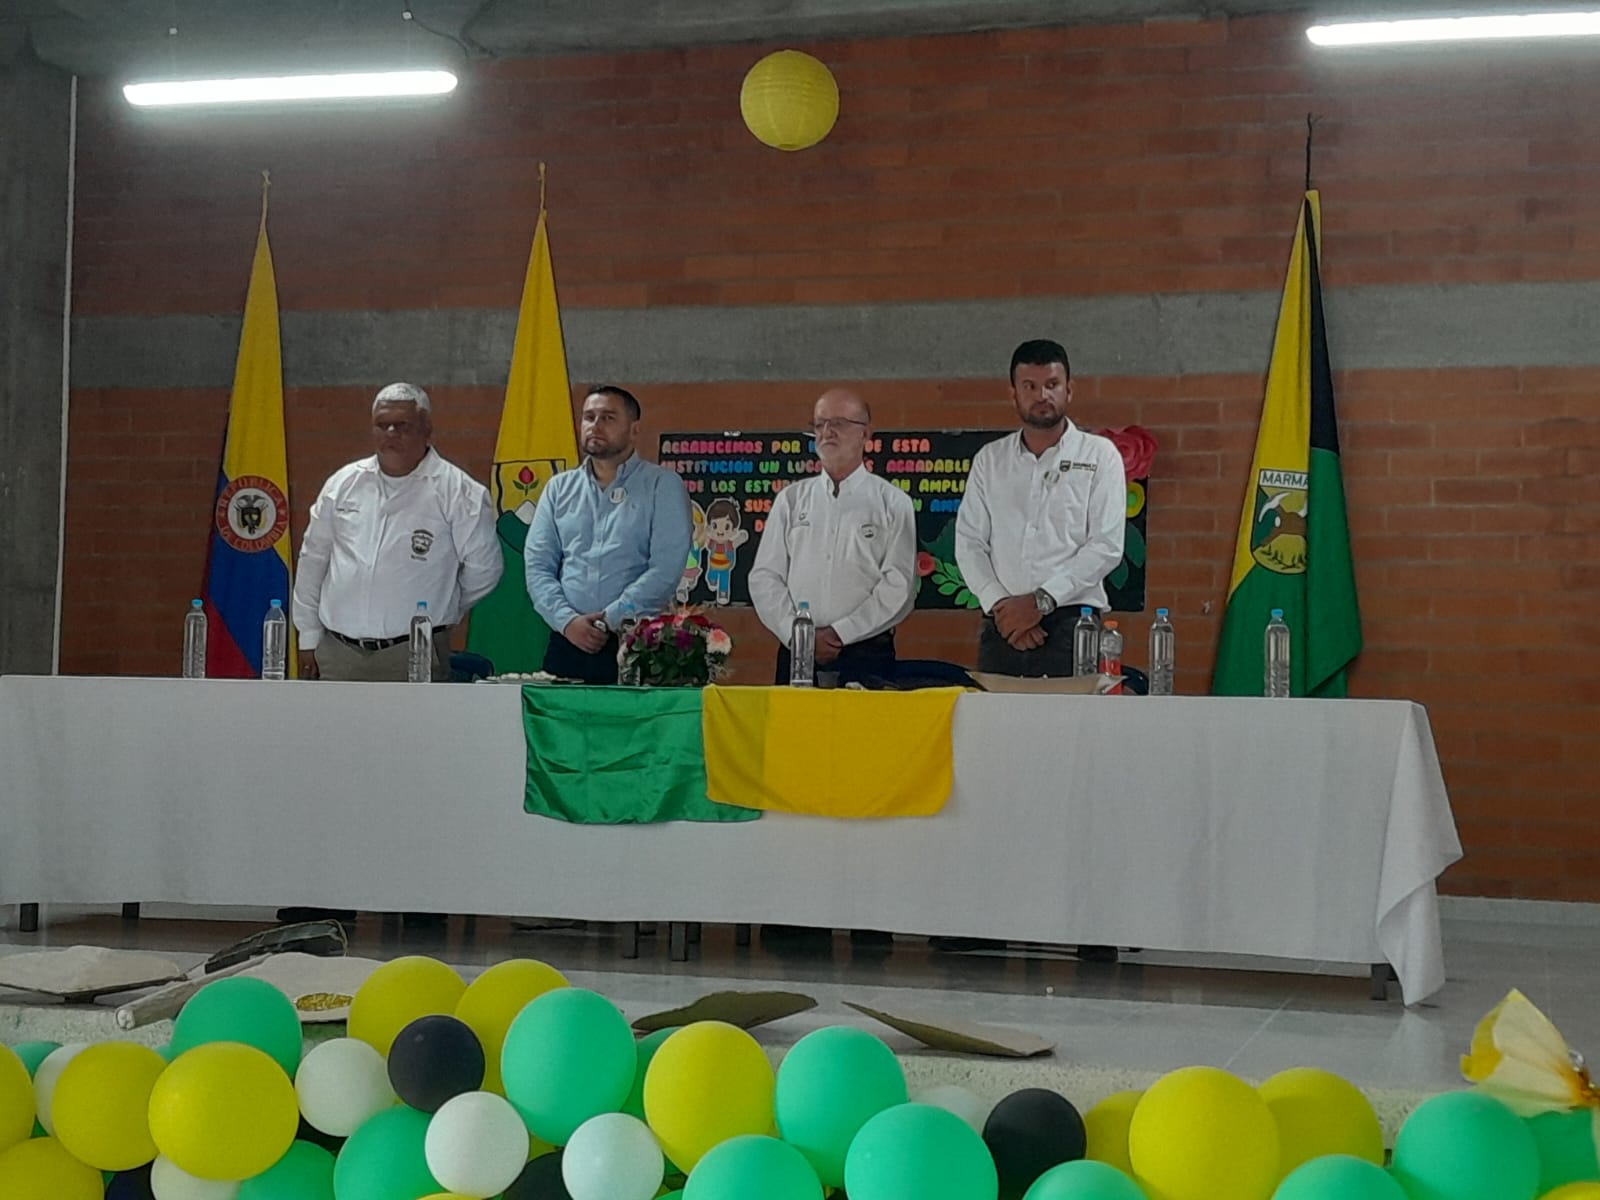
x,y
1120,159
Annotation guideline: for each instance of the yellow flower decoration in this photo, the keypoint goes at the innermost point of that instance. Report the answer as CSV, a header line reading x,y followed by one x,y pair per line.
x,y
1521,1059
1135,499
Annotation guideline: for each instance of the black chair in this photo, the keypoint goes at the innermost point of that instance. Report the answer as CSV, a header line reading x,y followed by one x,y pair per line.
x,y
467,667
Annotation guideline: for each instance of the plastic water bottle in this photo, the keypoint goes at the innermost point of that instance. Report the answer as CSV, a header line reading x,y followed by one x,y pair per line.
x,y
194,641
420,667
1277,656
1111,654
275,643
803,649
627,672
1163,654
1086,642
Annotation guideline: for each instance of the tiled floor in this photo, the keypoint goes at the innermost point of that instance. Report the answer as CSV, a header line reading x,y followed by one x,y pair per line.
x,y
1150,1012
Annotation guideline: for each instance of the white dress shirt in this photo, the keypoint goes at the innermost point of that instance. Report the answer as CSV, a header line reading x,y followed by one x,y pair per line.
x,y
1052,521
377,544
850,556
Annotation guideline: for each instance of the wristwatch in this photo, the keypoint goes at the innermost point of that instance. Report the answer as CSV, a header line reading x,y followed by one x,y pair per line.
x,y
1045,601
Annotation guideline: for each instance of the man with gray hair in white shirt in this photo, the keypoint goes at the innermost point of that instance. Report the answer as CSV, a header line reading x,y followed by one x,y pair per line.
x,y
1040,524
398,527
843,541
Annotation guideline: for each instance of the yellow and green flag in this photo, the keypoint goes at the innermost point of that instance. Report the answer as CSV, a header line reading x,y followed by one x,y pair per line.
x,y
536,441
1293,548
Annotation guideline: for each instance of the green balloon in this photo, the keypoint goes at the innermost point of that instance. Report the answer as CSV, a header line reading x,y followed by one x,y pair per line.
x,y
1339,1177
166,1051
1566,1148
1085,1179
1466,1146
922,1151
829,1085
304,1173
241,1009
384,1159
34,1053
751,1165
645,1049
568,1056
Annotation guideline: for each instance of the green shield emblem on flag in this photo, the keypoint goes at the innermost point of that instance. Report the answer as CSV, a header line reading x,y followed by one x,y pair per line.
x,y
1278,536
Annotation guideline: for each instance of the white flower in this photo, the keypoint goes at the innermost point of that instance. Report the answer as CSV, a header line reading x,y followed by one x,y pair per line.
x,y
718,642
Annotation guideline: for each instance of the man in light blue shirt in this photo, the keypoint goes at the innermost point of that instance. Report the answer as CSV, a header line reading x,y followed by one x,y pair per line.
x,y
607,539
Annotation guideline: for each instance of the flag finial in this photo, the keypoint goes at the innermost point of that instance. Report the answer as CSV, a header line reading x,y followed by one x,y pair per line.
x,y
266,186
541,187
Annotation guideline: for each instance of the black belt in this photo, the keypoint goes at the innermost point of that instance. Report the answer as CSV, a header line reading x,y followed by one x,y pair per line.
x,y
378,643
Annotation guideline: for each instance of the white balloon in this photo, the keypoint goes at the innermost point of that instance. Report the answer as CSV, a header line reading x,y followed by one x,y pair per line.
x,y
477,1145
342,1083
44,1081
168,1181
952,1097
612,1157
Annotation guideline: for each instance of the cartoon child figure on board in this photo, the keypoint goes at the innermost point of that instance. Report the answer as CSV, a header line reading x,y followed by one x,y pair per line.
x,y
697,548
723,538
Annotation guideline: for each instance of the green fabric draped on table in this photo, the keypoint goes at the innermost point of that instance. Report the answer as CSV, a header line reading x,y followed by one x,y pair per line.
x,y
618,756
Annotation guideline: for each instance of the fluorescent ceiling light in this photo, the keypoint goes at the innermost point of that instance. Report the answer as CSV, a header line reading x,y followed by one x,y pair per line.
x,y
1457,29
348,86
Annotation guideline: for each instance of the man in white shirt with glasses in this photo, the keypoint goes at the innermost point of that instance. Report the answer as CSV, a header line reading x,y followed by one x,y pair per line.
x,y
1041,523
388,530
843,541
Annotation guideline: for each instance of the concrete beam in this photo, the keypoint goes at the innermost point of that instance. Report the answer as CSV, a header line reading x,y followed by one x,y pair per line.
x,y
1504,325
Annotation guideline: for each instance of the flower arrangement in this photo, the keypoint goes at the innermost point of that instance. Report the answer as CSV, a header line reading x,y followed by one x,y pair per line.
x,y
677,649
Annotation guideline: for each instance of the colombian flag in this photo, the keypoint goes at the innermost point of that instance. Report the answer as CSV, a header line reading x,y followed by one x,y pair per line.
x,y
536,441
1293,547
247,563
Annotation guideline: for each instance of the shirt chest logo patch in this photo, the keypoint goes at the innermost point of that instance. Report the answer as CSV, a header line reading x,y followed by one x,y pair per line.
x,y
802,518
421,543
869,531
618,495
1066,464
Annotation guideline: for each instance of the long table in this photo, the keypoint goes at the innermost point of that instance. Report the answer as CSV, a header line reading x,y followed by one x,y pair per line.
x,y
1300,829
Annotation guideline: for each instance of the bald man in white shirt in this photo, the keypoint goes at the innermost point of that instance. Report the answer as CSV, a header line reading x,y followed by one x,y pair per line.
x,y
1040,524
399,526
845,542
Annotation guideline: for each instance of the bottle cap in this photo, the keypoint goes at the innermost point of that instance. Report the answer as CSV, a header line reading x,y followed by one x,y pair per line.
x,y
1277,612
277,604
805,606
422,606
196,604
1161,612
1111,624
1086,611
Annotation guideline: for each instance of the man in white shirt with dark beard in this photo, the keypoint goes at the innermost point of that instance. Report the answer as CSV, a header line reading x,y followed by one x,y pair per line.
x,y
845,542
387,531
1041,523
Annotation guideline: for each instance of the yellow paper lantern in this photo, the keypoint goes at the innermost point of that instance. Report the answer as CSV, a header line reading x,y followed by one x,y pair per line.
x,y
789,100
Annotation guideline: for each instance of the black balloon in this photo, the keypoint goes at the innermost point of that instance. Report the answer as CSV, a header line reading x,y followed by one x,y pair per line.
x,y
434,1059
540,1180
130,1185
1028,1133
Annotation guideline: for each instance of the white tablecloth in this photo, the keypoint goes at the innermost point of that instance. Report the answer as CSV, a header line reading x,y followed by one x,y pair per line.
x,y
1300,829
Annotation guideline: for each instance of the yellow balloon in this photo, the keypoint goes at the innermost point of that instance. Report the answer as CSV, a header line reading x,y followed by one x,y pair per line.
x,y
224,1111
708,1082
42,1170
493,1000
399,992
1319,1113
16,1099
789,100
1106,1125
1200,1133
102,1105
1574,1191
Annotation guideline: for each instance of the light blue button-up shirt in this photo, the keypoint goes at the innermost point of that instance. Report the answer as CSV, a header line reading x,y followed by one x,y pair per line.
x,y
593,549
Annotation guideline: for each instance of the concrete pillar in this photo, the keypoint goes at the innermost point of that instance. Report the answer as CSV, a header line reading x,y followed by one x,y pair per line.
x,y
35,114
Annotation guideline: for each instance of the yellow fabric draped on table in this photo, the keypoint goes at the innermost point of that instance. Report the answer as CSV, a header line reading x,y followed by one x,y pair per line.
x,y
829,753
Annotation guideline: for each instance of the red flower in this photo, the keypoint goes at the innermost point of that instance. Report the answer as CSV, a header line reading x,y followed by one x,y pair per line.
x,y
684,638
525,476
1137,445
697,619
925,564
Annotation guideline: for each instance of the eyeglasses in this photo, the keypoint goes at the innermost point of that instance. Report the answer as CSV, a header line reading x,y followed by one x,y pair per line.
x,y
841,424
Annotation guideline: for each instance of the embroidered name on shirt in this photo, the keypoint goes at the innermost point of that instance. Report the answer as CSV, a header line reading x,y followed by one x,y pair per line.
x,y
1067,464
